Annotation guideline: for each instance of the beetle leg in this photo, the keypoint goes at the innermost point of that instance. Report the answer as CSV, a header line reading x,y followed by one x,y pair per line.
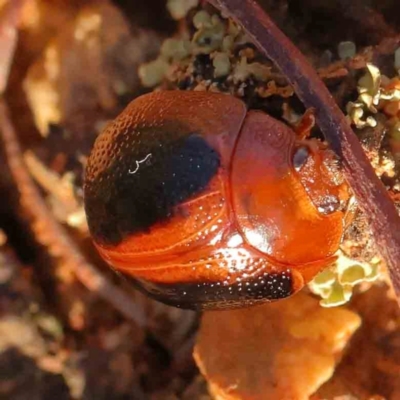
x,y
305,125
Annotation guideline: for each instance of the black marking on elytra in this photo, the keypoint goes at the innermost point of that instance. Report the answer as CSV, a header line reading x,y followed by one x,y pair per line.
x,y
219,296
153,169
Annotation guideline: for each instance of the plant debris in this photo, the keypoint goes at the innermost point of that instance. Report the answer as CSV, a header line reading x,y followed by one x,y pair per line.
x,y
283,350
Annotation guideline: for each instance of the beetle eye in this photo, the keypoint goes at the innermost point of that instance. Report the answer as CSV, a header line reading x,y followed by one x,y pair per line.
x,y
300,157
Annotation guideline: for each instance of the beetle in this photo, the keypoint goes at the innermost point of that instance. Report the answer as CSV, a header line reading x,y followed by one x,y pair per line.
x,y
207,205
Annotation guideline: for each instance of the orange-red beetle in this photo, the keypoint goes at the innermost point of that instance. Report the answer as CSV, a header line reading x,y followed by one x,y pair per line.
x,y
208,205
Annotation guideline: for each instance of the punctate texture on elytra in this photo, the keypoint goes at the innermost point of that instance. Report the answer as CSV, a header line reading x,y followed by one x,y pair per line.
x,y
207,205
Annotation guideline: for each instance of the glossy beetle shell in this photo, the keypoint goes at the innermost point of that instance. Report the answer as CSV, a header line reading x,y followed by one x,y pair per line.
x,y
199,201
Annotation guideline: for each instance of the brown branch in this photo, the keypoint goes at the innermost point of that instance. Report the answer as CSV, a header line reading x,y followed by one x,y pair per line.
x,y
369,190
9,19
52,235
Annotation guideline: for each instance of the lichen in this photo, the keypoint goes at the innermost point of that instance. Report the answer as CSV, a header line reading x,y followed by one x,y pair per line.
x,y
175,49
152,73
369,89
217,52
335,285
397,60
209,36
179,8
346,50
221,64
377,94
243,70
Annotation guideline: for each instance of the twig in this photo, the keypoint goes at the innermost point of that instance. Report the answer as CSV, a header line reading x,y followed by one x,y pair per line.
x,y
9,20
52,235
51,182
64,203
370,192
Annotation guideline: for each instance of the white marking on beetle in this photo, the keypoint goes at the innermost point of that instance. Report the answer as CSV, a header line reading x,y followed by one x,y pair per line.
x,y
138,164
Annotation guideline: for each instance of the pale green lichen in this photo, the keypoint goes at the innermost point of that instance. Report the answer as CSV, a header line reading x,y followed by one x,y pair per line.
x,y
243,70
339,295
371,91
202,19
179,8
346,50
172,50
209,38
227,43
353,275
370,83
175,49
216,38
378,105
152,73
335,285
356,113
397,60
233,29
325,279
222,64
